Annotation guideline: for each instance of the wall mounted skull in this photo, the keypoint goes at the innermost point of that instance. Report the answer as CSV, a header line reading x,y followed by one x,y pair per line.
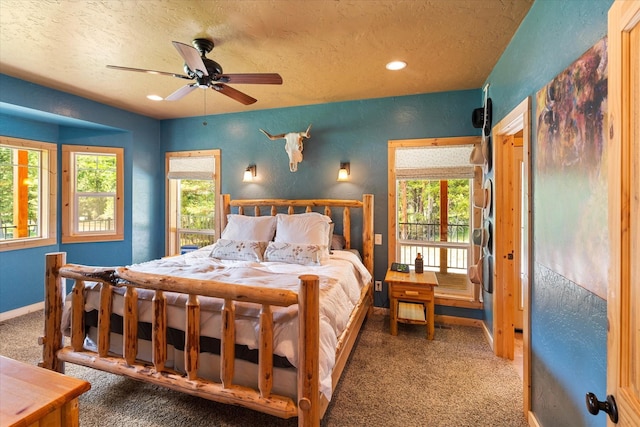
x,y
293,145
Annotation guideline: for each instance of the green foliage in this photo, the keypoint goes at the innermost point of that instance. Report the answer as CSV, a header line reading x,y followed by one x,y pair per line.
x,y
197,204
8,165
419,213
96,185
6,186
422,200
459,201
96,173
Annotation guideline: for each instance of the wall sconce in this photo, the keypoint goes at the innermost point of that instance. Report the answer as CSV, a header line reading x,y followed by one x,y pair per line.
x,y
249,174
344,172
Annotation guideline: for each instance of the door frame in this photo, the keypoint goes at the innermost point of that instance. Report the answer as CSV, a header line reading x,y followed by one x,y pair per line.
x,y
517,120
622,145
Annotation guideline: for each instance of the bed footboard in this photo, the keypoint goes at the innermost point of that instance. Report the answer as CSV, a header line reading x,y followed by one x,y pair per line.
x,y
309,406
261,399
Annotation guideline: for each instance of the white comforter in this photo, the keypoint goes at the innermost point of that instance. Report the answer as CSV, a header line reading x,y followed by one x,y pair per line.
x,y
342,277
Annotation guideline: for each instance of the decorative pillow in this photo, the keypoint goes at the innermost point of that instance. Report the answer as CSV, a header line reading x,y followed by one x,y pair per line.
x,y
242,250
310,227
243,227
337,242
294,253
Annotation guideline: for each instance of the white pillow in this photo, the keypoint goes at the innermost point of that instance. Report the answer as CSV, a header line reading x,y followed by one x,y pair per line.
x,y
243,250
294,253
256,228
310,227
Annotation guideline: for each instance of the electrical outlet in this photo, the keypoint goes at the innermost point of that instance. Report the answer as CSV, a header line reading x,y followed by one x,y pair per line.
x,y
378,286
377,239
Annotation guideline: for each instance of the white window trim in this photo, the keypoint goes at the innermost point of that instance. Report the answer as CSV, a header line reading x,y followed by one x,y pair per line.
x,y
48,195
69,199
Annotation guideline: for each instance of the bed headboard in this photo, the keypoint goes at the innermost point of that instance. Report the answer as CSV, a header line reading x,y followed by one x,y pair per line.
x,y
290,205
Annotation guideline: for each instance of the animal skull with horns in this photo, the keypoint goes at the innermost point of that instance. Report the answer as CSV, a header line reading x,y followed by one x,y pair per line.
x,y
293,145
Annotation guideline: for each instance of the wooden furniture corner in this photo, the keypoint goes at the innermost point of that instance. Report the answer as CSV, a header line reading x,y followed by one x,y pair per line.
x,y
34,396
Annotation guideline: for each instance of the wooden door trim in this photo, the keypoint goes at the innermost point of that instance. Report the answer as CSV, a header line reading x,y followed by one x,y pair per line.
x,y
622,149
504,290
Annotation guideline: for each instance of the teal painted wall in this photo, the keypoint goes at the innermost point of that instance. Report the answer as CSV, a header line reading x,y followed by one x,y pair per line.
x,y
356,131
568,323
35,112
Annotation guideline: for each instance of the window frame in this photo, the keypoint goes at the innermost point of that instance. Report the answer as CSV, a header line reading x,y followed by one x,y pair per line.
x,y
172,245
69,195
48,194
469,299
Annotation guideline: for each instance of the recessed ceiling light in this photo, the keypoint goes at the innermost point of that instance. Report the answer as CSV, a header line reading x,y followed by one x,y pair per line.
x,y
154,97
396,65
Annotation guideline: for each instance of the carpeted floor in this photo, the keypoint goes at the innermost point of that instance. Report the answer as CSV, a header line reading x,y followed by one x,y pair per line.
x,y
454,380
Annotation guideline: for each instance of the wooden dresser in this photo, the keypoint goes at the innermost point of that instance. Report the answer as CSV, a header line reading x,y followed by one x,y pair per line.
x,y
33,396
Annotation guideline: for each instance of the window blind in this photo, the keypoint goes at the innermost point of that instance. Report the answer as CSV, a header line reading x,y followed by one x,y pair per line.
x,y
434,162
195,167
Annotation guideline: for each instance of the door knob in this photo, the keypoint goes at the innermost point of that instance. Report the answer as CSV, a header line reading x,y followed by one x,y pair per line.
x,y
609,406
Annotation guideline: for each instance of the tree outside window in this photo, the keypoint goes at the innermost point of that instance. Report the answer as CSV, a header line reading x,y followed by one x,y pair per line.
x,y
27,193
93,195
192,189
96,179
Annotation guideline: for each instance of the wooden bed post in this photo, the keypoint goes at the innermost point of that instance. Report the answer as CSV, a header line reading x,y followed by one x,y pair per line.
x,y
367,232
309,351
55,291
367,239
225,204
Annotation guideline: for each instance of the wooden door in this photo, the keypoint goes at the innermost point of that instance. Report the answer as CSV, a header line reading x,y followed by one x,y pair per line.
x,y
518,231
623,355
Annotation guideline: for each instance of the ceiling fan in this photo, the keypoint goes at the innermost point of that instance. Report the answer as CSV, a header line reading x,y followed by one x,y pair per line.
x,y
207,73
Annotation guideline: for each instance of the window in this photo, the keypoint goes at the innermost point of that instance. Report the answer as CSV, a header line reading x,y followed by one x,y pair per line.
x,y
93,194
28,180
430,210
433,219
193,186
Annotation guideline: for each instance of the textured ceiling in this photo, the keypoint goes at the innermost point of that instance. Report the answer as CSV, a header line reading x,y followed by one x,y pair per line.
x,y
325,50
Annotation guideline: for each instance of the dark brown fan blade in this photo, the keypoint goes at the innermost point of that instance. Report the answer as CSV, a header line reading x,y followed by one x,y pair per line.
x,y
265,78
233,93
184,90
191,57
140,70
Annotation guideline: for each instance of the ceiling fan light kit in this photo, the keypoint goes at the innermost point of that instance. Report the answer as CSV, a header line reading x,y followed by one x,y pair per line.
x,y
207,73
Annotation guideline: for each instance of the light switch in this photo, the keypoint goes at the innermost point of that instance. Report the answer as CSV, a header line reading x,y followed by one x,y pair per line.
x,y
378,239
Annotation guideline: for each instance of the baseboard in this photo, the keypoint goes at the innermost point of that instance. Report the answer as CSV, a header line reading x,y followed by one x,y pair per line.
x,y
533,421
381,311
459,321
488,335
6,315
439,318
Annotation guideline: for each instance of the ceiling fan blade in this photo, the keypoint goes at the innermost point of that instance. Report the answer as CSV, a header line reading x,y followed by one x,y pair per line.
x,y
184,90
233,93
191,57
140,70
258,78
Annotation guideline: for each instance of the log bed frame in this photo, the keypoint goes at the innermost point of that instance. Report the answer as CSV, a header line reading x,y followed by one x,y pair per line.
x,y
311,405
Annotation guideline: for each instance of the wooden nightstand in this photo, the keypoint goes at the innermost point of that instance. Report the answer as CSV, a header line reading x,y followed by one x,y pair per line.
x,y
412,288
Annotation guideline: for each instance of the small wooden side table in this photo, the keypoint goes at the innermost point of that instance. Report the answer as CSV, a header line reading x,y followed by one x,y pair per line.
x,y
30,395
413,288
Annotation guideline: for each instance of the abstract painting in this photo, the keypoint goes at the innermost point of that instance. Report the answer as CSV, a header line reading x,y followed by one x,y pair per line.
x,y
570,175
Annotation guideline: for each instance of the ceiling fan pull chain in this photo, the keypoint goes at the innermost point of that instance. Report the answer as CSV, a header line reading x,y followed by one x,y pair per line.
x,y
204,122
